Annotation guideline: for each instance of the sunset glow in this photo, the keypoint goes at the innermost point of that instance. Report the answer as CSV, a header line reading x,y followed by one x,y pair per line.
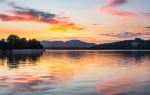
x,y
85,20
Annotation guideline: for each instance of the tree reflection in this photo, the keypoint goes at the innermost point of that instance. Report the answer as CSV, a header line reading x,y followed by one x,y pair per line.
x,y
13,60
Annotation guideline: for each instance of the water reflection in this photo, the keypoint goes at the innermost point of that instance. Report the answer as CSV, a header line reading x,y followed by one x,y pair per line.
x,y
76,72
13,60
115,87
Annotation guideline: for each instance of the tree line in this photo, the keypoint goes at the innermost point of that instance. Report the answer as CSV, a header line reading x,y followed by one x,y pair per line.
x,y
15,42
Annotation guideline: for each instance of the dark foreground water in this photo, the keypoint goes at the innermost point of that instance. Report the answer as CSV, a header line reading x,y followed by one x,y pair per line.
x,y
75,73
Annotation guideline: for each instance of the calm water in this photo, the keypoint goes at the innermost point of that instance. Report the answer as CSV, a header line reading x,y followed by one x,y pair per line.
x,y
76,73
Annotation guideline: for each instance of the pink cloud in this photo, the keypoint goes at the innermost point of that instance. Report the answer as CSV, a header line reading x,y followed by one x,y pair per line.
x,y
112,8
147,15
24,14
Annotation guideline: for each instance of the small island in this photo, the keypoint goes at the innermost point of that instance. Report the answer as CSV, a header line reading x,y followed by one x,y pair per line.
x,y
14,42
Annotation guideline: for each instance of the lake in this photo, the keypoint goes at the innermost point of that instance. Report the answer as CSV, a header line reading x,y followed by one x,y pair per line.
x,y
75,73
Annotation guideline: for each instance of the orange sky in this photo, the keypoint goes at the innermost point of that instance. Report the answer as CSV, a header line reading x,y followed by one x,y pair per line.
x,y
100,22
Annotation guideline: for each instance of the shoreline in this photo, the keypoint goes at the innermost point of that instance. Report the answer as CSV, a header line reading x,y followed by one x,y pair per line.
x,y
29,51
90,50
34,50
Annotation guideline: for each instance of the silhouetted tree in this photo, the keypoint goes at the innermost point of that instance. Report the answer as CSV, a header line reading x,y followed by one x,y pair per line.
x,y
15,42
33,43
3,44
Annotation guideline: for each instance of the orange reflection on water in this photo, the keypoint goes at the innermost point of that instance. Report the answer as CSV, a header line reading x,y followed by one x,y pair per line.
x,y
113,72
115,87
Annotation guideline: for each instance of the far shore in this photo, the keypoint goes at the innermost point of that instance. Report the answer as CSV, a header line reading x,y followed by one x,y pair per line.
x,y
92,50
37,50
34,51
89,49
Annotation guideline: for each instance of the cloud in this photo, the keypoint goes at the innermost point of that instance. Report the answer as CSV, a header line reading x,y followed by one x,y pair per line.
x,y
147,15
42,16
148,27
23,14
114,3
118,13
127,35
28,12
112,8
65,28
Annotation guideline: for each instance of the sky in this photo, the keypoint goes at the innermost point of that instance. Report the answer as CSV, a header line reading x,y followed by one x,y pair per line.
x,y
98,21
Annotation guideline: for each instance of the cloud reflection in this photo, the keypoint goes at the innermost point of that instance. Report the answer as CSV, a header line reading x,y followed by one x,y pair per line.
x,y
115,87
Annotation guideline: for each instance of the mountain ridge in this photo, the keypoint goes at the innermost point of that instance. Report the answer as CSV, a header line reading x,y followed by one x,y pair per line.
x,y
67,44
135,44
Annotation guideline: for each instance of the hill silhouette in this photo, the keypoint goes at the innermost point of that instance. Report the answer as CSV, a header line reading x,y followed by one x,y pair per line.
x,y
137,44
68,44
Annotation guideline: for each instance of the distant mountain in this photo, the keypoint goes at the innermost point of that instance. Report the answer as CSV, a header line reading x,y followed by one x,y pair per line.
x,y
137,44
67,44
